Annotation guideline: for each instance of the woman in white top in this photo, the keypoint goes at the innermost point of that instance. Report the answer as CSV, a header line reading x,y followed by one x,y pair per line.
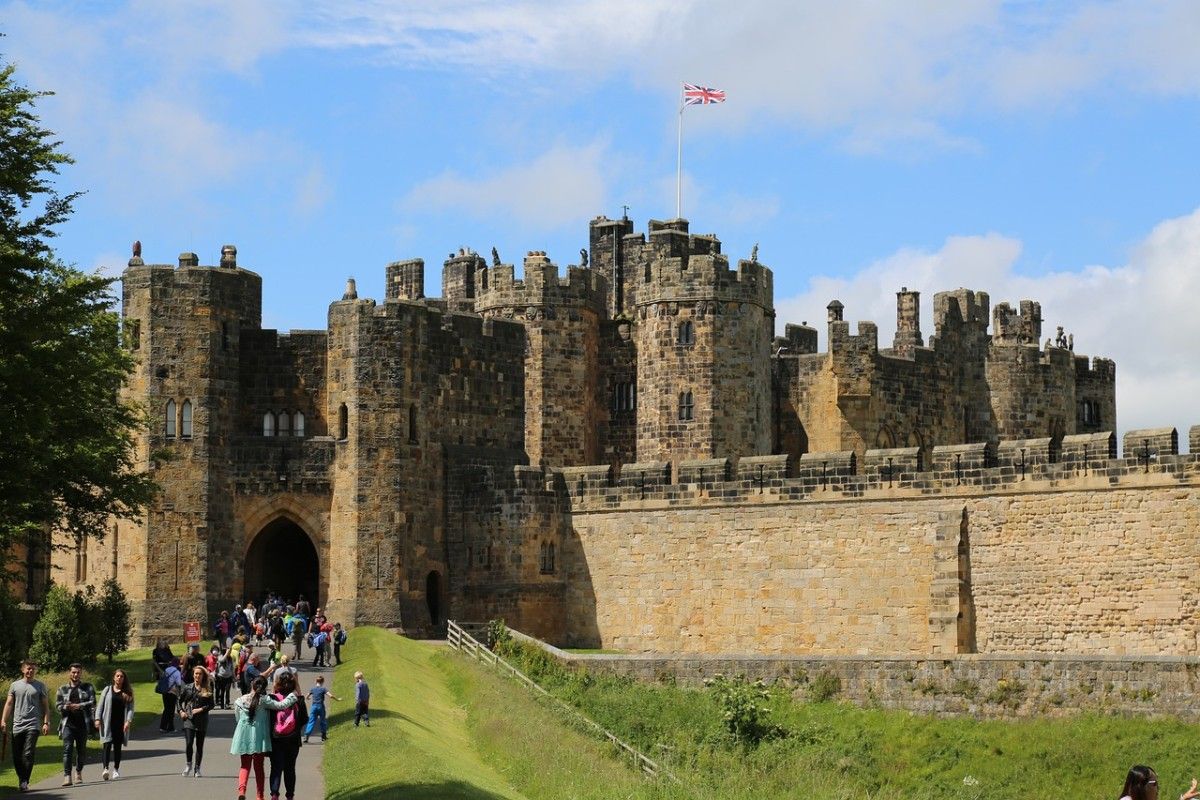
x,y
1142,784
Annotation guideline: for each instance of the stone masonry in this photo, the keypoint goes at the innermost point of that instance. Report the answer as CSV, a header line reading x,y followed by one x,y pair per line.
x,y
626,456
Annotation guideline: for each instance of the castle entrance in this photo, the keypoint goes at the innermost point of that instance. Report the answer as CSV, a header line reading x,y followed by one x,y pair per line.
x,y
282,559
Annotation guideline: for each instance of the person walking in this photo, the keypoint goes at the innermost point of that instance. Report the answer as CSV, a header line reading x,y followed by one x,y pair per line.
x,y
195,703
339,639
319,640
168,686
1142,784
362,700
114,715
285,738
224,673
28,703
161,657
76,704
297,639
251,737
318,693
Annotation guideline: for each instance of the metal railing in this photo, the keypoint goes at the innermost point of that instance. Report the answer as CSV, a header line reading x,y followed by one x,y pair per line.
x,y
464,642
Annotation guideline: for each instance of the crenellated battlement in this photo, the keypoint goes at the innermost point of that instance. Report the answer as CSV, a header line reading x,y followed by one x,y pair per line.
x,y
542,287
1079,462
705,276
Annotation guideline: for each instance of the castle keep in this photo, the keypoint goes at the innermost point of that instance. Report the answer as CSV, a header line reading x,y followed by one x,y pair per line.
x,y
625,455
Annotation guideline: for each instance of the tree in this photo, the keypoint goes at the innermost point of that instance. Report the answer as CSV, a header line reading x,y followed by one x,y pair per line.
x,y
68,458
56,642
113,611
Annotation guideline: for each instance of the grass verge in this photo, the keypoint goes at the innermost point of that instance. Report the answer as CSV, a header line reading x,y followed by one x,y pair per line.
x,y
837,750
147,710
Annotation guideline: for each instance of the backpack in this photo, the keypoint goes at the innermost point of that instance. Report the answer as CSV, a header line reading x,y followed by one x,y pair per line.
x,y
286,720
163,683
341,636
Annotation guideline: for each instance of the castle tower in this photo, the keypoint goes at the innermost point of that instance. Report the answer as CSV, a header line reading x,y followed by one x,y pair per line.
x,y
606,245
458,279
908,323
186,326
405,280
563,389
704,336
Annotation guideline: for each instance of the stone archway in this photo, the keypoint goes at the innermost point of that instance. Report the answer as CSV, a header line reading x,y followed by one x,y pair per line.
x,y
282,558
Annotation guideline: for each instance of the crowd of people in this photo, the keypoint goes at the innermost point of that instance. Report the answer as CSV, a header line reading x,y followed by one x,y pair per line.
x,y
273,714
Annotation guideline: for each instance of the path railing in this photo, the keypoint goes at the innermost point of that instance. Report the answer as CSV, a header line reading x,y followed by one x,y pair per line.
x,y
464,642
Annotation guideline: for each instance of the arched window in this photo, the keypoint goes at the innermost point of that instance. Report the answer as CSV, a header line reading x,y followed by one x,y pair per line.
x,y
268,424
284,423
343,422
412,424
298,425
885,439
687,406
685,334
170,419
185,420
546,558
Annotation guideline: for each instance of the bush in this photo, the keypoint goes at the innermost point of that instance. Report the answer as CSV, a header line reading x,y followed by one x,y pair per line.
x,y
88,616
498,637
56,636
825,686
744,708
113,611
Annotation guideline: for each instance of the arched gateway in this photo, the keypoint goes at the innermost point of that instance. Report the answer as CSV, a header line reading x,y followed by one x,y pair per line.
x,y
281,558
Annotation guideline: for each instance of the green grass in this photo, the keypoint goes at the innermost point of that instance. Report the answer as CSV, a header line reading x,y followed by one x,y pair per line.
x,y
443,727
838,750
147,710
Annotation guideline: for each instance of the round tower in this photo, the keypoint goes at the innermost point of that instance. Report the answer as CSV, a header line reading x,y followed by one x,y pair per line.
x,y
703,336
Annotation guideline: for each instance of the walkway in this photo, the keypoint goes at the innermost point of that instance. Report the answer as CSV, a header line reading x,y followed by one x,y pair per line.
x,y
151,765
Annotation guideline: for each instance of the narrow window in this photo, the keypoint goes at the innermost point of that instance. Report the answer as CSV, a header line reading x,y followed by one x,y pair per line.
x,y
268,424
412,424
170,420
548,559
623,398
185,420
284,423
542,559
685,333
298,425
224,335
687,406
134,336
343,422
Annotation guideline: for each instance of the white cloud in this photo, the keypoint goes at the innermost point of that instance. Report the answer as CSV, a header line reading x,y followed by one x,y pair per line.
x,y
560,187
879,72
313,191
1140,314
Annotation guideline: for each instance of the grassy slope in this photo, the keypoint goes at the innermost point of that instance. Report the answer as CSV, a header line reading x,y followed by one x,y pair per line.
x,y
442,727
147,705
837,750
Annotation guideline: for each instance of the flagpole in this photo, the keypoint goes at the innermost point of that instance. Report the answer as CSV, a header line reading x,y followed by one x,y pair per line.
x,y
679,161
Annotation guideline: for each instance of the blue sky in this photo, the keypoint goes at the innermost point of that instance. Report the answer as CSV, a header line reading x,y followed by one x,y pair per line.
x,y
1026,149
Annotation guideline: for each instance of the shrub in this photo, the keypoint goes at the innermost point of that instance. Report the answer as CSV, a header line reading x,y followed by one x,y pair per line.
x,y
824,687
13,632
56,635
113,610
744,708
87,614
499,638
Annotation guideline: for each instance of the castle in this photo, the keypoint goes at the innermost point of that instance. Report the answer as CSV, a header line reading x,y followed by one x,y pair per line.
x,y
627,456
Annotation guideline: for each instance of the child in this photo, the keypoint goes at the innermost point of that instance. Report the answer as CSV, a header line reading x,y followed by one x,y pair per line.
x,y
362,700
317,711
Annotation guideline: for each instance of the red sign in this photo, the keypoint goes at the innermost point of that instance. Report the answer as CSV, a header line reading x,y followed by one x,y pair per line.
x,y
191,631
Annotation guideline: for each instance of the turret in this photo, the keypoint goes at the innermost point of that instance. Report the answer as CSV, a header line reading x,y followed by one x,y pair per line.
x,y
405,280
704,335
908,323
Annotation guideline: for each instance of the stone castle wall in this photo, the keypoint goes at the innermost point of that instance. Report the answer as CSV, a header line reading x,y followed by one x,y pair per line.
x,y
874,564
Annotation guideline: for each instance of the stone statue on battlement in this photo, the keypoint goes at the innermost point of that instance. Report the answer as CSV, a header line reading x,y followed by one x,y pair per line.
x,y
137,249
495,257
1071,342
1060,338
754,254
583,257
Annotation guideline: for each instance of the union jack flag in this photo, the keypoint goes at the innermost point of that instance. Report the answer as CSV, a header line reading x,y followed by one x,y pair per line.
x,y
701,95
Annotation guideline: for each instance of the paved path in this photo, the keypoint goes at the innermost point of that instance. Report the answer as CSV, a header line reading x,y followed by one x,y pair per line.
x,y
152,763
